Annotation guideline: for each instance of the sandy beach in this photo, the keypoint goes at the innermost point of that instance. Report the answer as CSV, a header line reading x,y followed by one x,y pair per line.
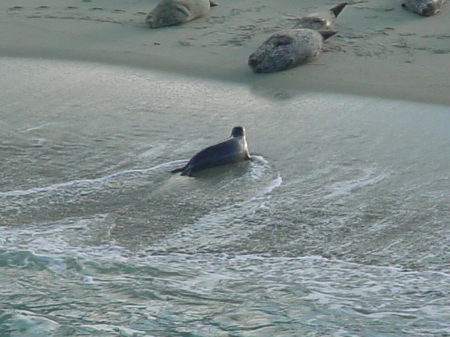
x,y
381,49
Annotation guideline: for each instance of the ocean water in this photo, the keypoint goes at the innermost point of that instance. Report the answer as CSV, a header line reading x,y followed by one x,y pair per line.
x,y
339,227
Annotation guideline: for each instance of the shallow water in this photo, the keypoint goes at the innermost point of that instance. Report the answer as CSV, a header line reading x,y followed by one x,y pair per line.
x,y
338,228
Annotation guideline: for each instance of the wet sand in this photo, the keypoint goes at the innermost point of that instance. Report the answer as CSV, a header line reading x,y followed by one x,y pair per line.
x,y
381,49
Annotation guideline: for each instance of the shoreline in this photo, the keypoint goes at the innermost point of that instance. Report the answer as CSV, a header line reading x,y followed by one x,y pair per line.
x,y
410,62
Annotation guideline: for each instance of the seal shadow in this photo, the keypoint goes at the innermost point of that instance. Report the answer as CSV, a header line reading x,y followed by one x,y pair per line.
x,y
219,173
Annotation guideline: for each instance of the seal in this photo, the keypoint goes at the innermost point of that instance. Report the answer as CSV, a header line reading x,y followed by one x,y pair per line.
x,y
321,21
230,151
424,7
288,49
176,12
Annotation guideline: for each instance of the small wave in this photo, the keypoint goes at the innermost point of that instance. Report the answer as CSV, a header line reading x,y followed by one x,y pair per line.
x,y
346,187
38,127
87,182
25,324
53,245
213,228
28,259
271,186
228,212
260,165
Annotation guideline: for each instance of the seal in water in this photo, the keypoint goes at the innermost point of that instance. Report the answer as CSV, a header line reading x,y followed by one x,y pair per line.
x,y
176,12
424,7
320,21
230,151
288,49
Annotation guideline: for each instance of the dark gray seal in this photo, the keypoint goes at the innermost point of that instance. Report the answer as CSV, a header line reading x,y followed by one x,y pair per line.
x,y
288,49
424,7
176,12
321,21
230,151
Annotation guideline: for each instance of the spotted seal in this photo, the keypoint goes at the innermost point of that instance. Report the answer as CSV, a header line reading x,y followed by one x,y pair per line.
x,y
321,21
288,49
424,7
230,151
176,12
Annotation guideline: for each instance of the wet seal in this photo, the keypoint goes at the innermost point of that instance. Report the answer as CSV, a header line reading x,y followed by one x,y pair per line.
x,y
176,12
424,7
287,49
321,21
230,151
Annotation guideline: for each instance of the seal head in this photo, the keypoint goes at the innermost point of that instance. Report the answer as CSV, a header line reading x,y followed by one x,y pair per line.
x,y
288,49
321,21
230,151
175,12
424,7
238,131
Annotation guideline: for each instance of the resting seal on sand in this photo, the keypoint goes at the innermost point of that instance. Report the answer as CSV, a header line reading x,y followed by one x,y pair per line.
x,y
288,49
230,151
424,7
175,12
320,21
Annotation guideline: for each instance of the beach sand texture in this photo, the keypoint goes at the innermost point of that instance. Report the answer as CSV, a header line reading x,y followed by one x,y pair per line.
x,y
380,50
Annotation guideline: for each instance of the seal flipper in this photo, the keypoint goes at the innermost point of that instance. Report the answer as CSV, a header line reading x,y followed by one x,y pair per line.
x,y
327,33
213,3
186,172
336,10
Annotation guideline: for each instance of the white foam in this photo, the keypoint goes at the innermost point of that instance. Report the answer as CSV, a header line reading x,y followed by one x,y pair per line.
x,y
88,279
346,187
87,182
260,165
37,127
271,186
